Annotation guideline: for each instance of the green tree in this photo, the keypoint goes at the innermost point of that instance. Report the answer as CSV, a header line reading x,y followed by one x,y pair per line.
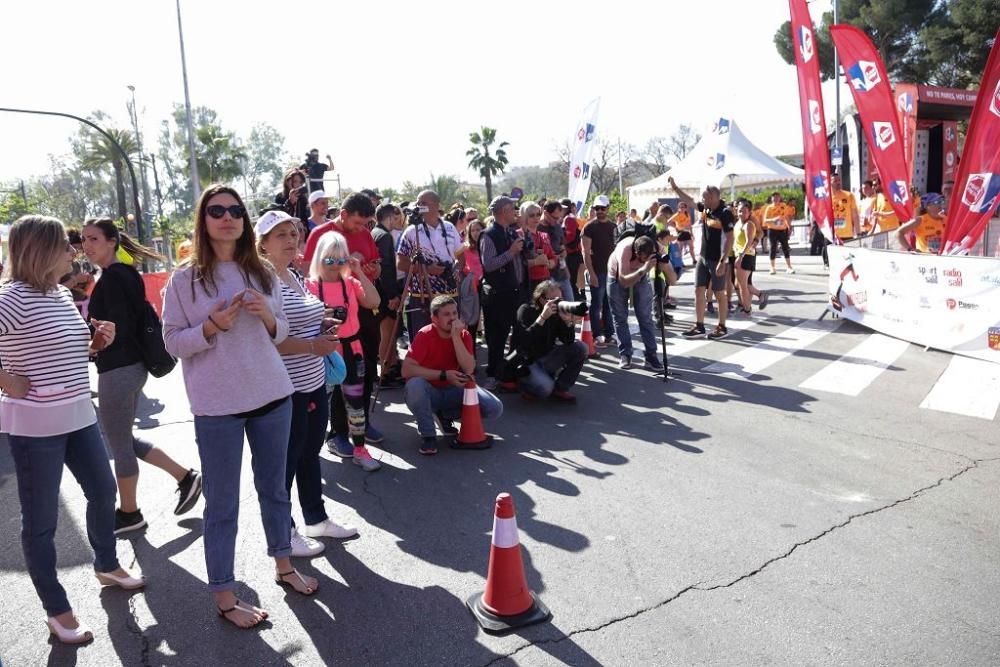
x,y
265,157
99,151
448,188
218,154
959,45
482,161
894,26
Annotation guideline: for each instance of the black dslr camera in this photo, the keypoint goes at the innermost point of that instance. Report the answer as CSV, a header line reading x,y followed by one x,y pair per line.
x,y
515,366
577,308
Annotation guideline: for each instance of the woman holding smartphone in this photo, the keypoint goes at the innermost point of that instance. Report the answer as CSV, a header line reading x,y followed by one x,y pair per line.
x,y
302,353
120,297
336,277
222,317
46,410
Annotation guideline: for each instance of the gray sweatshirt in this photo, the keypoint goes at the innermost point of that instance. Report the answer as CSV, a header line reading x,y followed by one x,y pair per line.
x,y
233,371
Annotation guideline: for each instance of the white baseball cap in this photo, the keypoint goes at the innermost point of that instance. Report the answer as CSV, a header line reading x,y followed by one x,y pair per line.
x,y
270,220
316,195
601,200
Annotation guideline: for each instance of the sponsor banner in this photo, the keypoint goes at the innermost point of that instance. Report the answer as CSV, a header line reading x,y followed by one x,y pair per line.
x,y
877,108
977,186
816,152
906,111
944,302
949,153
582,149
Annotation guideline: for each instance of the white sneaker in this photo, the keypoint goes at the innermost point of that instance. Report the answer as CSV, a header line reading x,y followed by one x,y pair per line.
x,y
330,528
789,270
303,547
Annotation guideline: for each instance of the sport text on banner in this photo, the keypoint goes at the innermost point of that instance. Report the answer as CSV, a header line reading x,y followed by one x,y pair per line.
x,y
978,184
584,139
814,147
870,87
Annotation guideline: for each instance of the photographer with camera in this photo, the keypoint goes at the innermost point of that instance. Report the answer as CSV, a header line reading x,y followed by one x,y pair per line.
x,y
547,358
551,224
427,251
316,169
629,266
500,251
292,198
437,368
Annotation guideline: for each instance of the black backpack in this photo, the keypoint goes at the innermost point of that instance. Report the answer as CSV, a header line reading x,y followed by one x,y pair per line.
x,y
149,335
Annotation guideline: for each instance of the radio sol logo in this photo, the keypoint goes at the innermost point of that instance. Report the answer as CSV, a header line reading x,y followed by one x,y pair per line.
x,y
954,277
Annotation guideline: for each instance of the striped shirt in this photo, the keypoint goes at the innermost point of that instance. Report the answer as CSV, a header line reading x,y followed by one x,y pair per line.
x,y
305,320
44,338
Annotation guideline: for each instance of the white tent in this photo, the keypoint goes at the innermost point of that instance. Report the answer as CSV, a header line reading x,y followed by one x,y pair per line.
x,y
725,158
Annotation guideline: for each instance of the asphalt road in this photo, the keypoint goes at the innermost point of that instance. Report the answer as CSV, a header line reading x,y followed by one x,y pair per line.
x,y
735,515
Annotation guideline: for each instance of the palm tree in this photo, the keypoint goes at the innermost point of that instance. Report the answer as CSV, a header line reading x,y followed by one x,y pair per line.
x,y
487,165
447,188
218,155
99,152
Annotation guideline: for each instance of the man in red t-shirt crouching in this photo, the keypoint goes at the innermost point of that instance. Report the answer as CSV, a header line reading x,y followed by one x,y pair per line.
x,y
438,365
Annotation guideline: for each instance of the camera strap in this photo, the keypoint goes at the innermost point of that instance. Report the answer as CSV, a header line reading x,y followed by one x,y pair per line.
x,y
343,287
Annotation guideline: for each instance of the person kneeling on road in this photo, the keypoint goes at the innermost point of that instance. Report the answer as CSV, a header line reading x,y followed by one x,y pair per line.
x,y
437,367
547,360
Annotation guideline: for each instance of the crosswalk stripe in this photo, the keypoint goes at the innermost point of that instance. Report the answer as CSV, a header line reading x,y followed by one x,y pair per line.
x,y
968,387
751,360
678,345
857,369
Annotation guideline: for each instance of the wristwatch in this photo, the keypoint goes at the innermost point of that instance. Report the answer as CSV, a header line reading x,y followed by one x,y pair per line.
x,y
443,376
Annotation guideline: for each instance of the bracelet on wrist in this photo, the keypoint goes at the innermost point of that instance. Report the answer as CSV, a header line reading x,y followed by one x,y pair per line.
x,y
216,324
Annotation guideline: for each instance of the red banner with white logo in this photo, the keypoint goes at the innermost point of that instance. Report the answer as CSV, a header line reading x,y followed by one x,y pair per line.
x,y
906,110
814,147
873,97
977,187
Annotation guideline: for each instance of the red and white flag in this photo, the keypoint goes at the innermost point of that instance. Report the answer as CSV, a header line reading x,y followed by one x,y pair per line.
x,y
873,97
977,188
814,146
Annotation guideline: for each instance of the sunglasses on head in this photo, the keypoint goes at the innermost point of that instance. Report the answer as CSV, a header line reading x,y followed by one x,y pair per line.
x,y
332,261
235,211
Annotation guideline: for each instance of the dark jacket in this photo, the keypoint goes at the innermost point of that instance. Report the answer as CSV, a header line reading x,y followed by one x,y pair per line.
x,y
504,278
119,297
534,341
387,284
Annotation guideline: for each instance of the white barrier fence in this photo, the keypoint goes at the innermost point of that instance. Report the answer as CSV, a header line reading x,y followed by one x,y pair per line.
x,y
947,303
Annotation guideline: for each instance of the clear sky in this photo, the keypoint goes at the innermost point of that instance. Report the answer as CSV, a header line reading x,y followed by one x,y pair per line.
x,y
392,89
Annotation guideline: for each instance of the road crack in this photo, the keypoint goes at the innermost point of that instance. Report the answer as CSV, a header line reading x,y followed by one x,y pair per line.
x,y
743,577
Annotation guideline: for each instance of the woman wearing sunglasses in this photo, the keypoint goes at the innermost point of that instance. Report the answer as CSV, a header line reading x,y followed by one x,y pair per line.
x,y
337,279
302,352
47,413
222,317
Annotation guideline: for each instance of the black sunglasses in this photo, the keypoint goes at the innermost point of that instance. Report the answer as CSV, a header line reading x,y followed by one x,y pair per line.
x,y
600,208
217,211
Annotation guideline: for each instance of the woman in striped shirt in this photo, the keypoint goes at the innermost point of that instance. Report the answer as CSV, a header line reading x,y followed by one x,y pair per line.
x,y
222,317
302,353
46,410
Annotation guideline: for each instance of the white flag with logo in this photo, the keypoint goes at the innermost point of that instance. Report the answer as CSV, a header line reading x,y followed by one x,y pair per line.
x,y
581,151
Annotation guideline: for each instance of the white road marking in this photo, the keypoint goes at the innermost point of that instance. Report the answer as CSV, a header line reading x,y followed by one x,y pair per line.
x,y
857,369
968,387
752,360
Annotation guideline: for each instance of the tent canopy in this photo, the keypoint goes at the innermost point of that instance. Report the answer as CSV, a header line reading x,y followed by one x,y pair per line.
x,y
725,158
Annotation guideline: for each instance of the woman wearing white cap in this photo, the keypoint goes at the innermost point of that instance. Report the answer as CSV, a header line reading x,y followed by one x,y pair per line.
x,y
302,353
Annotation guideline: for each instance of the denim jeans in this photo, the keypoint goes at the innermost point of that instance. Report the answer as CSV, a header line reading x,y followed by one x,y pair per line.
x,y
568,293
557,370
310,410
220,446
642,299
38,464
600,310
424,399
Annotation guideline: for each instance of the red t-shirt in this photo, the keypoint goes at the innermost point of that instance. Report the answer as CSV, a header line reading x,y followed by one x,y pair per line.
x,y
430,350
360,242
544,246
572,228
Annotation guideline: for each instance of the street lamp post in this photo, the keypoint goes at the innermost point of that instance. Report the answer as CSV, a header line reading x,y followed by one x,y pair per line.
x,y
128,162
142,163
195,181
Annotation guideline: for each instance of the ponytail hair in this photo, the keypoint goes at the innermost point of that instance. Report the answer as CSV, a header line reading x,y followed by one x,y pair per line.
x,y
123,241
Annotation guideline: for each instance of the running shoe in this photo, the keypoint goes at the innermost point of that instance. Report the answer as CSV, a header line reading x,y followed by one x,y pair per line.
x,y
429,445
697,331
126,522
624,363
718,333
447,426
373,436
762,300
305,547
188,492
710,308
653,364
340,446
329,528
364,459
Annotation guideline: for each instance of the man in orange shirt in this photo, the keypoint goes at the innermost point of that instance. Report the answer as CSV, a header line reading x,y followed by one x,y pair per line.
x,y
845,210
681,220
778,223
928,228
885,218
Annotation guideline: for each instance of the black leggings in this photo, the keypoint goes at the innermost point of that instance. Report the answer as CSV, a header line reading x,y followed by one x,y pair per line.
x,y
777,236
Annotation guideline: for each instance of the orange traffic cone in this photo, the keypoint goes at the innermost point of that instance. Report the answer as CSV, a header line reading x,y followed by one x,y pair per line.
x,y
507,603
471,435
587,336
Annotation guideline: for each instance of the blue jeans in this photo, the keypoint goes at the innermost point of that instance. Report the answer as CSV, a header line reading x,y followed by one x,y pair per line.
x,y
38,463
600,310
424,399
220,446
557,370
568,294
310,411
642,299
